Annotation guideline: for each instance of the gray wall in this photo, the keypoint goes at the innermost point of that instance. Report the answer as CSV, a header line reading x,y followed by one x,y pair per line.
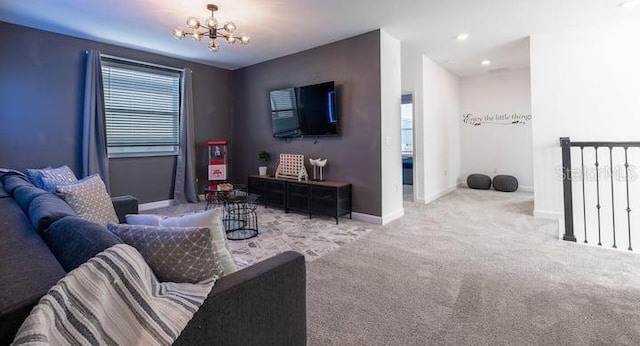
x,y
41,88
354,65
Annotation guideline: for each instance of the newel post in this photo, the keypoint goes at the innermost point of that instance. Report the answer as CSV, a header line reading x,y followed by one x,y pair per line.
x,y
565,144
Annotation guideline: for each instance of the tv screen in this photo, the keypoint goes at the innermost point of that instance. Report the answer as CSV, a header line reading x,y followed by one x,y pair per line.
x,y
304,111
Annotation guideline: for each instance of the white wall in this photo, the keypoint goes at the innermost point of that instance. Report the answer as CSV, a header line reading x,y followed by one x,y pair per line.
x,y
390,64
490,148
440,130
585,84
412,84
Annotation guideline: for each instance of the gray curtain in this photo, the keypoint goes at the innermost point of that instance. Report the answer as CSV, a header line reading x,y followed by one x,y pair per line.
x,y
94,136
184,190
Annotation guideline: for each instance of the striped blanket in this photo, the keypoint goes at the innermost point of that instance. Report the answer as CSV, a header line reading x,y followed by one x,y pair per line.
x,y
112,299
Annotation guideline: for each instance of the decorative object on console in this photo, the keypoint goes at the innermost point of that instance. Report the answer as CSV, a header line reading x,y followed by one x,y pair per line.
x,y
292,166
263,157
209,27
318,163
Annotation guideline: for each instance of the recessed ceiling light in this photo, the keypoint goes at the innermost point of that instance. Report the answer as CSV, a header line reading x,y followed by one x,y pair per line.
x,y
486,62
462,37
629,3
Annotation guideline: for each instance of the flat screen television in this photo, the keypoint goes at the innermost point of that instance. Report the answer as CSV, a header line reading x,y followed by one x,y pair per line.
x,y
308,111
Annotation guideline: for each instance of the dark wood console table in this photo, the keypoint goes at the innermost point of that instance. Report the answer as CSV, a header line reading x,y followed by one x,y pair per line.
x,y
311,197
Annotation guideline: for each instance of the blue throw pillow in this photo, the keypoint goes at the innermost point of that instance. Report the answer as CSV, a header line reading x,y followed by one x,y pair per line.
x,y
35,176
52,178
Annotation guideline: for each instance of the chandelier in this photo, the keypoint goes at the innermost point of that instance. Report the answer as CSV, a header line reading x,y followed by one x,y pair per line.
x,y
209,28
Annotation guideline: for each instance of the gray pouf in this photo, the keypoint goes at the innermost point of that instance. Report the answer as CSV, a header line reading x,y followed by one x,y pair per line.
x,y
505,183
479,181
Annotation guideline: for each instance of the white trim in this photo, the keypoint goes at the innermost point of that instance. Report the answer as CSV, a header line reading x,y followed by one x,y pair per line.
x,y
376,220
154,205
441,194
525,188
392,216
545,214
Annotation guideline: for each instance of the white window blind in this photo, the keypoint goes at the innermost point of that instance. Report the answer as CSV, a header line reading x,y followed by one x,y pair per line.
x,y
142,105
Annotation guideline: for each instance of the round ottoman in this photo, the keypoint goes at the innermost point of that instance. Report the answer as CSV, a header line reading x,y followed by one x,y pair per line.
x,y
505,183
479,181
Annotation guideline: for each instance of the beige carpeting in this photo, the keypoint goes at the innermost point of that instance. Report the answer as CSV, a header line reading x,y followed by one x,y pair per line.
x,y
472,268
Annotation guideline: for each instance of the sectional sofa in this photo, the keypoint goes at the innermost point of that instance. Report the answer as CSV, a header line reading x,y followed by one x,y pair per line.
x,y
260,305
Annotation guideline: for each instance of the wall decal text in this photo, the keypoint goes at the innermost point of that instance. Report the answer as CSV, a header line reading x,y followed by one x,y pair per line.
x,y
496,119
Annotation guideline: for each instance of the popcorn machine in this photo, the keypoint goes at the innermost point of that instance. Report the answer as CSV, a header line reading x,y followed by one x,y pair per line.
x,y
217,162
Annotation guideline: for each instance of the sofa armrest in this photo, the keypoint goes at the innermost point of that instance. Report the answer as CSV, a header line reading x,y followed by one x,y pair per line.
x,y
125,205
264,304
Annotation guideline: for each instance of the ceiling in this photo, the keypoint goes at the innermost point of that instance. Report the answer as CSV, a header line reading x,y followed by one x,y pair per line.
x,y
498,29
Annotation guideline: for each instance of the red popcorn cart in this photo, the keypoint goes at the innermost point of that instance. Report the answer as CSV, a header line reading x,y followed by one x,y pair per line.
x,y
217,162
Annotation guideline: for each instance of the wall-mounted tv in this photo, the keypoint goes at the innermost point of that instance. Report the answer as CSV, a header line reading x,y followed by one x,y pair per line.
x,y
309,111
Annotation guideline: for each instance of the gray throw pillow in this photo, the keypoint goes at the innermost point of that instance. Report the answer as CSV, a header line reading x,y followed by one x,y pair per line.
x,y
175,254
90,200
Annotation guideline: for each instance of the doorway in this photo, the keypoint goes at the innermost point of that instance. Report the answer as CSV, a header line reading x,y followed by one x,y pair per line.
x,y
406,128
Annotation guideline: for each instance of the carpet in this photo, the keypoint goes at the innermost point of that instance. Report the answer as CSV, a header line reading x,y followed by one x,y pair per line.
x,y
472,268
280,232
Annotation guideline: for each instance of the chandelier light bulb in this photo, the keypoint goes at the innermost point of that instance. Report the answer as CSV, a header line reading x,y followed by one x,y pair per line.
x,y
230,26
244,39
178,33
213,46
211,22
193,22
196,36
231,39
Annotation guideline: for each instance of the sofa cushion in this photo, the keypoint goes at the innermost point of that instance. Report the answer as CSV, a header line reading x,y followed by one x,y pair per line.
x,y
12,181
210,219
47,209
3,193
28,268
175,254
24,195
90,200
74,240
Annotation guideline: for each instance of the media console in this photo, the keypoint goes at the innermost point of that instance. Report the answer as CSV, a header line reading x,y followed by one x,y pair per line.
x,y
327,198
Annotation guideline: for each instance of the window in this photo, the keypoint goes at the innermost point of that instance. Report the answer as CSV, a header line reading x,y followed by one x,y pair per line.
x,y
406,114
142,106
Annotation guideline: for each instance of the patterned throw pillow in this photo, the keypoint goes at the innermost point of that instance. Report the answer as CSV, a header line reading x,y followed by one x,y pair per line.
x,y
50,178
175,254
210,219
90,200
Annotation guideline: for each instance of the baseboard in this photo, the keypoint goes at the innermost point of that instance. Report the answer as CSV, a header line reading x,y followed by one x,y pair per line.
x,y
441,193
545,214
376,220
392,216
154,205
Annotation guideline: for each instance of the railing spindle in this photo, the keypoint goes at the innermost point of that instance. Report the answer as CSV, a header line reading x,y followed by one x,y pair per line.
x,y
598,196
613,204
626,172
565,143
584,200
